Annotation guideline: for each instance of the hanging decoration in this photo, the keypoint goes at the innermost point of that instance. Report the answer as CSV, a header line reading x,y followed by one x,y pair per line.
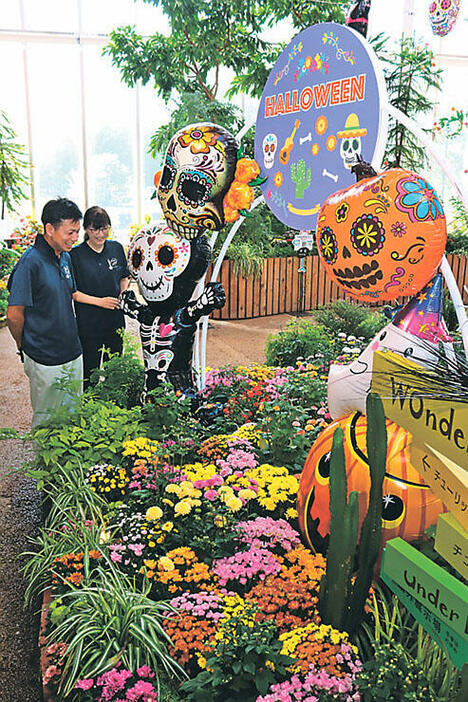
x,y
382,237
443,15
357,17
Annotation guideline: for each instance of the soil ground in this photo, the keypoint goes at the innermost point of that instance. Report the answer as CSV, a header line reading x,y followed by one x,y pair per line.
x,y
236,343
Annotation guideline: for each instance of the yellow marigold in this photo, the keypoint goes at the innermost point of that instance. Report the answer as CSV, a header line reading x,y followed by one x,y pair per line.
x,y
153,513
182,507
166,563
247,494
247,169
167,526
173,488
234,504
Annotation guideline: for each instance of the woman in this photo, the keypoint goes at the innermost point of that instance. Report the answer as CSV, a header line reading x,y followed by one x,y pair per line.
x,y
101,274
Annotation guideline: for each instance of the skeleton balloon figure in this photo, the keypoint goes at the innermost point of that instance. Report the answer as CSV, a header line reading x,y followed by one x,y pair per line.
x,y
168,260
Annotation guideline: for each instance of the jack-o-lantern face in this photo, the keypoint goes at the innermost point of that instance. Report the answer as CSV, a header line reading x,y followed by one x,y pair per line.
x,y
409,505
382,237
443,15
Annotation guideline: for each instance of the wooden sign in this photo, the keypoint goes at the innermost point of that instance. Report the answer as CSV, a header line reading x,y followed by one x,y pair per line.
x,y
410,395
442,594
446,480
452,543
454,645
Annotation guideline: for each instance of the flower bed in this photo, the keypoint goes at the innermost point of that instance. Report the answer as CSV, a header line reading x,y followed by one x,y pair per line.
x,y
172,553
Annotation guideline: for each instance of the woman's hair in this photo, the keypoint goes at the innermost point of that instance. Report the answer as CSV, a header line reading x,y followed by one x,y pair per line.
x,y
95,217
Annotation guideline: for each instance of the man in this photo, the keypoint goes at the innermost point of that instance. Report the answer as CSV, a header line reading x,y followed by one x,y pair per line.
x,y
40,312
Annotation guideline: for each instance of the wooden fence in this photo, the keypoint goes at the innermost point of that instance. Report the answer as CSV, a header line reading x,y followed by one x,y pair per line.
x,y
281,288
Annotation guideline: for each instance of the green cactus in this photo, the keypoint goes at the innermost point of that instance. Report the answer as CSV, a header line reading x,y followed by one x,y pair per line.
x,y
334,588
369,541
341,602
298,176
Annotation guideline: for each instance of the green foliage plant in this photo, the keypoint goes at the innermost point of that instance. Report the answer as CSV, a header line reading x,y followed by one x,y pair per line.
x,y
300,338
93,431
121,378
457,236
12,167
245,661
391,675
109,620
410,75
342,602
342,316
388,621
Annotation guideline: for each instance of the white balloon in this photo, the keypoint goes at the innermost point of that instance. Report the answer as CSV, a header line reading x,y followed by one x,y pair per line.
x,y
348,385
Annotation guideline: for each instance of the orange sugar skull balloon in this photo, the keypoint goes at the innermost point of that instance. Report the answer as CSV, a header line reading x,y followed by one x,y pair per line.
x,y
382,237
409,505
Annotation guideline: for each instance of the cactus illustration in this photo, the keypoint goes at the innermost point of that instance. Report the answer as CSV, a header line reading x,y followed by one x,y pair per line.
x,y
342,602
298,176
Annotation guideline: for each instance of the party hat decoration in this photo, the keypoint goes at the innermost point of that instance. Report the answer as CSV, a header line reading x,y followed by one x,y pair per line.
x,y
422,315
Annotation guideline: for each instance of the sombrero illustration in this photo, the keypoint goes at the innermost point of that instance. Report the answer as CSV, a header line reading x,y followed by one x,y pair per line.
x,y
352,128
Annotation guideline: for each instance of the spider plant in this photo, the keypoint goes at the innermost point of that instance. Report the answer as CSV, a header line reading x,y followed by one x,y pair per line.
x,y
111,619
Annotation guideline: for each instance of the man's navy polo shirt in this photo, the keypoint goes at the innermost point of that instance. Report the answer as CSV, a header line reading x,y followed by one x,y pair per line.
x,y
44,284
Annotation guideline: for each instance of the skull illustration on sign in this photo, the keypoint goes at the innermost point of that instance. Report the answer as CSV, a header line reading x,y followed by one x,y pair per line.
x,y
156,257
443,15
270,144
351,148
198,169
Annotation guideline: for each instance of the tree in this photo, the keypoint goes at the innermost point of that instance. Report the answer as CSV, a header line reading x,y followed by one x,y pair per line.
x,y
410,73
206,35
12,167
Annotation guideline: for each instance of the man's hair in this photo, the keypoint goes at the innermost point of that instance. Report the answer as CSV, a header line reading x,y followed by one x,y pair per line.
x,y
57,210
95,217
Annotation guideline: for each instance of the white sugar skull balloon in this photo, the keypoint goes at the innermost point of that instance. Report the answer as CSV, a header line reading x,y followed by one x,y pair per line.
x,y
270,144
156,257
198,170
443,15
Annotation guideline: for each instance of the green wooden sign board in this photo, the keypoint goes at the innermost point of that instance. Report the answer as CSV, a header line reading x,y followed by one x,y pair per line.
x,y
442,594
454,645
452,543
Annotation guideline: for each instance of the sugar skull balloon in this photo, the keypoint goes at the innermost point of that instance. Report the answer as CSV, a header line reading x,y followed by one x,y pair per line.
x,y
382,237
443,15
198,170
409,505
156,257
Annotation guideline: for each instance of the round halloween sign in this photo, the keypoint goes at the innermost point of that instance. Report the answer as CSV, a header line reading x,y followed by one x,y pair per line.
x,y
318,115
382,237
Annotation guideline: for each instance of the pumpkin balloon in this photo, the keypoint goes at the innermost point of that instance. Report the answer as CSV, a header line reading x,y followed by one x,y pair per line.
x,y
382,237
409,505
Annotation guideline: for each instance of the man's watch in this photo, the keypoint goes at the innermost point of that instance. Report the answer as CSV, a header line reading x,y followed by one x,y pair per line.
x,y
21,355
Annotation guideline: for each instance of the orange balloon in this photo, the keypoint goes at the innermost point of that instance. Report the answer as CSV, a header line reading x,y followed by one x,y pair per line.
x,y
382,237
409,505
